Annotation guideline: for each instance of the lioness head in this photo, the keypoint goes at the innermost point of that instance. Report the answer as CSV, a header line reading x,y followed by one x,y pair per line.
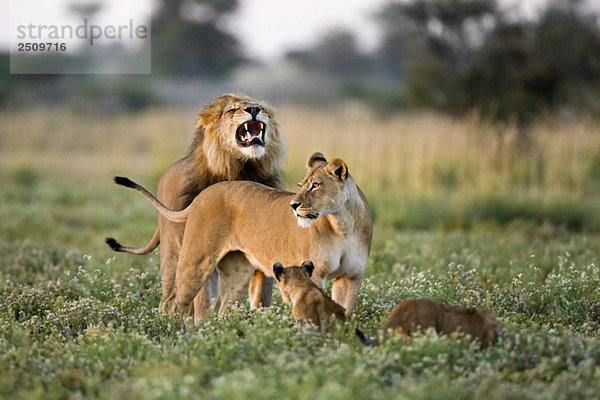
x,y
242,125
288,278
322,190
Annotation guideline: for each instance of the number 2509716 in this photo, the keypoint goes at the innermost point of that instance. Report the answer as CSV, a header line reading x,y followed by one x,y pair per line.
x,y
22,46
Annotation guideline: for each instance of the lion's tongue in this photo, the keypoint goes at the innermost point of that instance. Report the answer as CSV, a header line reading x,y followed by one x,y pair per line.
x,y
253,132
253,128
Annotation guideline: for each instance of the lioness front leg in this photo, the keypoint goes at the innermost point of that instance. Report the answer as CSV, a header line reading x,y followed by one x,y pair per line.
x,y
345,291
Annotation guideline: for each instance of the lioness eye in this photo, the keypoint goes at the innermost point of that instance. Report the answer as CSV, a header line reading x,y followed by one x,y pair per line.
x,y
231,110
314,185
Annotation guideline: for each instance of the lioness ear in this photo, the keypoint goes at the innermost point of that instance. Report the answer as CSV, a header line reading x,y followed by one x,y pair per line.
x,y
309,267
315,158
338,168
277,270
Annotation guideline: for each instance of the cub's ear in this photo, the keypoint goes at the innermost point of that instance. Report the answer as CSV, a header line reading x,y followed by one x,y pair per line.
x,y
338,168
277,270
314,159
309,267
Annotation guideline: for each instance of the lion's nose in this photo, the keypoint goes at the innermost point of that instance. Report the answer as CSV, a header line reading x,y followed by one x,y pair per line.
x,y
294,204
253,110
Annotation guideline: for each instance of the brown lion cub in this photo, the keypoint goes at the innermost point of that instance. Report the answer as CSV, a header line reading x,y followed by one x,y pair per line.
x,y
309,303
419,314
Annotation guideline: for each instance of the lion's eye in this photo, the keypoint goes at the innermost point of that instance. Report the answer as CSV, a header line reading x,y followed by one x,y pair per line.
x,y
314,185
231,110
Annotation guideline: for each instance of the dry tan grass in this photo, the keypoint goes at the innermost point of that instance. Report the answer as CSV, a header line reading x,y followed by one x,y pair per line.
x,y
425,154
417,154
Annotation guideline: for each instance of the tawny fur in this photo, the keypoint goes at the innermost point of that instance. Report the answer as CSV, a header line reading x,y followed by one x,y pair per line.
x,y
214,156
257,221
310,304
413,315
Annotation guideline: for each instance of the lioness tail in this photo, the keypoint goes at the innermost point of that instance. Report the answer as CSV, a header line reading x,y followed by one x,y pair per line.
x,y
174,216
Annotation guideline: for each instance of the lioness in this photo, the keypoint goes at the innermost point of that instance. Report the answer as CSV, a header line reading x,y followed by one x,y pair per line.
x,y
310,303
237,138
331,224
419,314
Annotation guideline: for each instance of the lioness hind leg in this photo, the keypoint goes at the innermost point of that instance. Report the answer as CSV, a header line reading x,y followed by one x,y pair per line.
x,y
168,268
345,291
234,276
260,290
171,236
205,297
192,275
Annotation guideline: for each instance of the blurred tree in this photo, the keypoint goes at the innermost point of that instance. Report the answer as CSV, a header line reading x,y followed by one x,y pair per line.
x,y
188,39
346,71
336,53
460,55
433,43
566,55
548,65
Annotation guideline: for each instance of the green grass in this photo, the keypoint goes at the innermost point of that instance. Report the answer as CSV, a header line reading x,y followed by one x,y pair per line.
x,y
463,214
77,320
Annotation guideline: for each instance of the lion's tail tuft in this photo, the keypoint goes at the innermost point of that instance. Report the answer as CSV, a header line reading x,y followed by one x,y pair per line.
x,y
113,244
174,216
123,181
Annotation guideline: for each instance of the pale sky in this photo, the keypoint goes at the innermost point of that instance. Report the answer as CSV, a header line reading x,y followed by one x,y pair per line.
x,y
266,28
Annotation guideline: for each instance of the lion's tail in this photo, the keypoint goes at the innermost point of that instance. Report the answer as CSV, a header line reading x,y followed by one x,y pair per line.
x,y
151,245
174,216
364,340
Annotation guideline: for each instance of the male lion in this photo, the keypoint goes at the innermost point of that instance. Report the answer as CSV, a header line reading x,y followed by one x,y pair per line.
x,y
237,138
419,314
331,224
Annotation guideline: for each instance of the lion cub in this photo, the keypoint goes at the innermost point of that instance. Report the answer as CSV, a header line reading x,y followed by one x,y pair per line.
x,y
309,302
419,314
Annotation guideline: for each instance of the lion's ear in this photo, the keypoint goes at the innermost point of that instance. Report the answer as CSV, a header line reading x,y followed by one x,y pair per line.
x,y
309,267
201,123
212,112
338,168
277,270
314,159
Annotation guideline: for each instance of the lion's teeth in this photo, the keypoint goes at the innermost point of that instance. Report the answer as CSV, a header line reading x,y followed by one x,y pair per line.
x,y
246,126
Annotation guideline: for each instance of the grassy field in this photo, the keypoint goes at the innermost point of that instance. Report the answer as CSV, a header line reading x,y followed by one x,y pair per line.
x,y
464,212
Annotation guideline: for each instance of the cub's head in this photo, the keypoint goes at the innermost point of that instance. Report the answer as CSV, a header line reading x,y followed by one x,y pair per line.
x,y
245,127
489,326
291,278
322,191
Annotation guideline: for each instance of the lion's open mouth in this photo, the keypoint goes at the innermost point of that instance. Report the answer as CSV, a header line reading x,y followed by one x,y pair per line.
x,y
251,133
